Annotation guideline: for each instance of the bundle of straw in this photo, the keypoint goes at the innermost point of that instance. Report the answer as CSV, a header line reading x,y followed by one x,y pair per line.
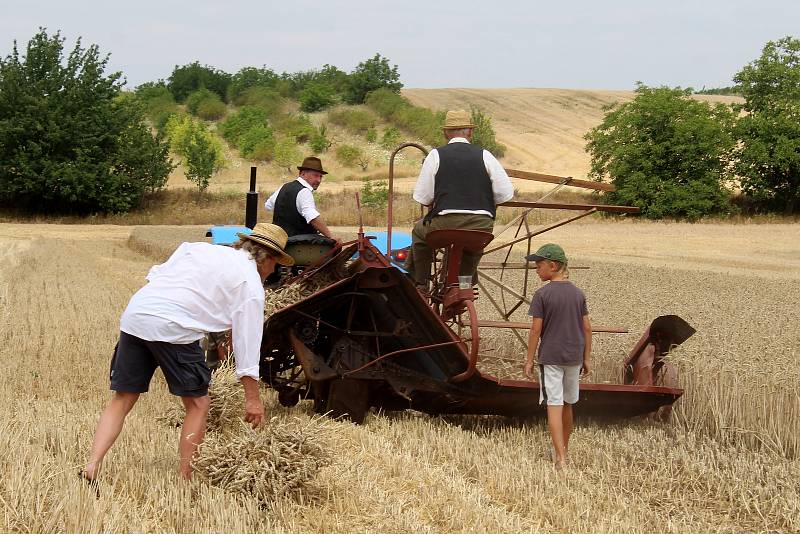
x,y
280,458
288,294
227,401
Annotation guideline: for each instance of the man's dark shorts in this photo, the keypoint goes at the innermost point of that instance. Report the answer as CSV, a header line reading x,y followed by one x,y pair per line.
x,y
135,360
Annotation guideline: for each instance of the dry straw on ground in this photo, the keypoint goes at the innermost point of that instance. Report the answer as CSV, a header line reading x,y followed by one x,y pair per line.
x,y
726,463
281,459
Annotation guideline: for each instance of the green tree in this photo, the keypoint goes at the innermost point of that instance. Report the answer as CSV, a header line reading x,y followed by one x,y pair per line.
x,y
483,134
768,152
200,158
287,153
319,142
205,104
665,153
316,96
375,194
70,140
187,79
200,149
370,75
349,155
249,77
237,124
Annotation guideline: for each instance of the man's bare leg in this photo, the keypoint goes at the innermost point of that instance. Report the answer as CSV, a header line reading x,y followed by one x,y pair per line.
x,y
566,423
192,431
555,423
108,428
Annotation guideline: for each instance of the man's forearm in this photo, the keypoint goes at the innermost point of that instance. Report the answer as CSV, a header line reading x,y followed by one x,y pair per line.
x,y
320,227
587,345
533,344
250,388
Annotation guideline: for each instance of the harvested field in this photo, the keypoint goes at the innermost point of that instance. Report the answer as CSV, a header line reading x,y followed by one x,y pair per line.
x,y
728,461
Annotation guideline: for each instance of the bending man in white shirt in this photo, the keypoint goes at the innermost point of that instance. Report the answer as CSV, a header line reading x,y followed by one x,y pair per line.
x,y
201,288
462,184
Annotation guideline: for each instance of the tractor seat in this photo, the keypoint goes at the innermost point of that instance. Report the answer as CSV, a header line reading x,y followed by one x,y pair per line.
x,y
310,239
469,240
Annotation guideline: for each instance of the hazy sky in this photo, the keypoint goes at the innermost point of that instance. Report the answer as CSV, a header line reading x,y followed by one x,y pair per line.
x,y
580,44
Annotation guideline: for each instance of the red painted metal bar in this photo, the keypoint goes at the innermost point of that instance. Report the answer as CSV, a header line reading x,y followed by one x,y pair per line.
x,y
541,230
526,326
396,352
390,199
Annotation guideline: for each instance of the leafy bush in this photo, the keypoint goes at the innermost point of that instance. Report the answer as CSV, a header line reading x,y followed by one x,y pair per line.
x,y
238,123
483,134
211,109
257,143
358,121
187,79
247,78
369,75
70,140
319,141
316,96
768,134
348,155
375,194
157,102
371,135
202,152
296,126
263,97
391,138
419,122
665,153
287,154
205,104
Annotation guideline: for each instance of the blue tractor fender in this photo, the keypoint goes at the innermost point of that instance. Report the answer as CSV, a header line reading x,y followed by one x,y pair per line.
x,y
226,235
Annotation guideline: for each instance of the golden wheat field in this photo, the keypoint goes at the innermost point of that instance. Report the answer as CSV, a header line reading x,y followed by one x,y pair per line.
x,y
727,461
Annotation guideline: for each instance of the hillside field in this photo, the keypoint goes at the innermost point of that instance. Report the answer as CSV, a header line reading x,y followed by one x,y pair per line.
x,y
542,129
728,460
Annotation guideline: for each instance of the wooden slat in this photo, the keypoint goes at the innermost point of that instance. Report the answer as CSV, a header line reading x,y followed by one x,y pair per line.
x,y
552,179
527,326
560,206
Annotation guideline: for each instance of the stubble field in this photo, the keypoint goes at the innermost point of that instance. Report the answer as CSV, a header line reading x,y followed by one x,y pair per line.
x,y
726,462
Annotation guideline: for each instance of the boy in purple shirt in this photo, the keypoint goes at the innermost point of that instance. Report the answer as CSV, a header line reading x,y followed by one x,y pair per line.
x,y
563,334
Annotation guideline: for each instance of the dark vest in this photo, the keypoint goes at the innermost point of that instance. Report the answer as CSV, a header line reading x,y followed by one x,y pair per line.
x,y
285,213
462,182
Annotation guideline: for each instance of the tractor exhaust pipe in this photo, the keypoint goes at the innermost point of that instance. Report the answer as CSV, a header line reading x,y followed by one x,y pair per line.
x,y
251,211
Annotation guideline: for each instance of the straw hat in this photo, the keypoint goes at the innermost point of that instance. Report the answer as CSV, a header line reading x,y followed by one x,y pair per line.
x,y
457,119
271,236
311,164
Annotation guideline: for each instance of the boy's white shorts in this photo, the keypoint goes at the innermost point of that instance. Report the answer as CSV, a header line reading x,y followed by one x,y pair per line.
x,y
558,384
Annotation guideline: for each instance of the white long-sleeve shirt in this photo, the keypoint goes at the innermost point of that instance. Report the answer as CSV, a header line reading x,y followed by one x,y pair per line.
x,y
304,202
202,288
502,189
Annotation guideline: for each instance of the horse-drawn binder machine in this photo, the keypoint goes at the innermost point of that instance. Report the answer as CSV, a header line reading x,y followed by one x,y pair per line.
x,y
348,330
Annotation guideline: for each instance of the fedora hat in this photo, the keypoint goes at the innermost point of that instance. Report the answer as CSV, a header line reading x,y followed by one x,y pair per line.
x,y
271,236
312,164
457,119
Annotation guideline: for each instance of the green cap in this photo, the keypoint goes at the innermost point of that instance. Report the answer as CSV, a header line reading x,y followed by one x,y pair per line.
x,y
551,252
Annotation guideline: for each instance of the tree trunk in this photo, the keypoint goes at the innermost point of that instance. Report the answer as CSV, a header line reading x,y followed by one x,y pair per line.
x,y
790,205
